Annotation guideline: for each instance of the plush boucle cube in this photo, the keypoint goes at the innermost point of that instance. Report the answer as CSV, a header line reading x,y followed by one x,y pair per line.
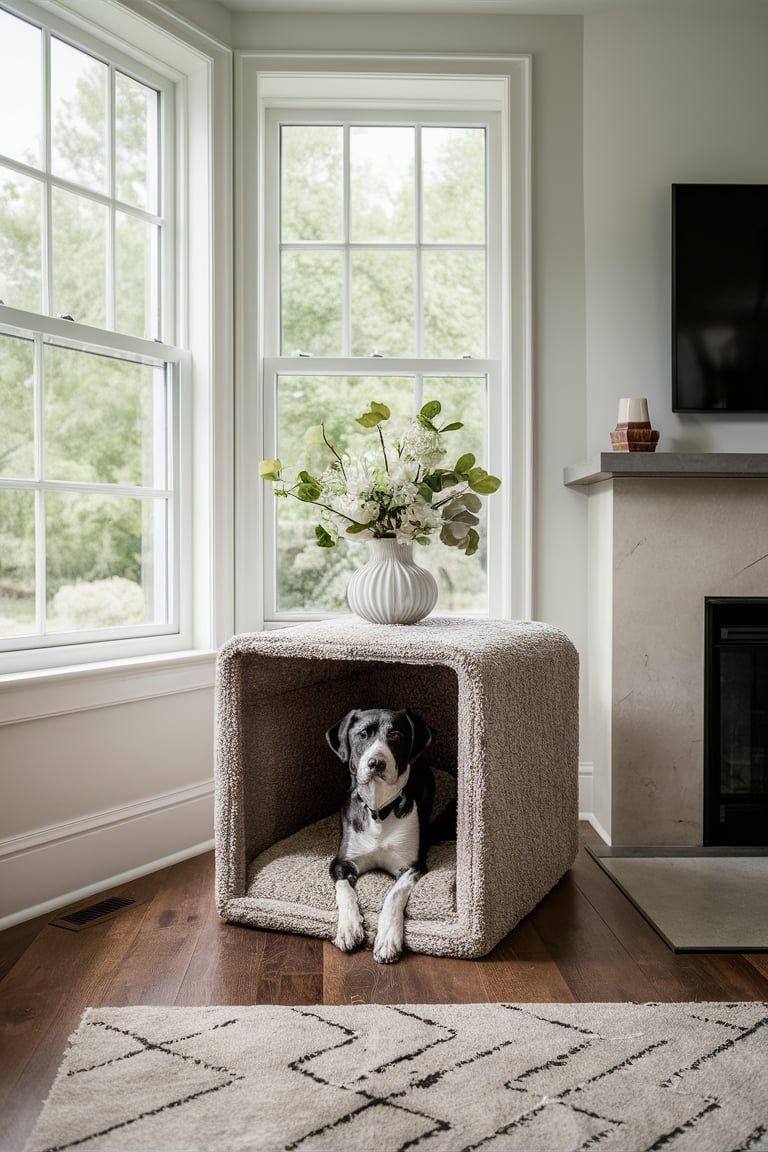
x,y
503,698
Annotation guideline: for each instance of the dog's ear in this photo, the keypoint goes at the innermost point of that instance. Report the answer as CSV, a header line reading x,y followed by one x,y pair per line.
x,y
338,736
421,735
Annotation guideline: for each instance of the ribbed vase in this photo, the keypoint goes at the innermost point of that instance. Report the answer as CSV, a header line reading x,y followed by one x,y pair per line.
x,y
391,588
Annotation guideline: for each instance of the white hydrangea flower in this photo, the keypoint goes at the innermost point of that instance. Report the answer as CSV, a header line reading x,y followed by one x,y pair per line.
x,y
422,445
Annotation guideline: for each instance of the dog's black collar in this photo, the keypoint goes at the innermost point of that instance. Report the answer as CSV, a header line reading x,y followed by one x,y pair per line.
x,y
382,813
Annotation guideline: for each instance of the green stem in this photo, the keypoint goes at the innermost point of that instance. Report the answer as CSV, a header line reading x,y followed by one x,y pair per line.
x,y
329,445
327,507
447,499
383,449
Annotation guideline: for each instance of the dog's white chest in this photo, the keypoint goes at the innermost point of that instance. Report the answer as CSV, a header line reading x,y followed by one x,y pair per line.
x,y
391,844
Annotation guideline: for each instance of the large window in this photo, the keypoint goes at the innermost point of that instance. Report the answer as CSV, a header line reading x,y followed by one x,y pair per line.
x,y
89,390
382,283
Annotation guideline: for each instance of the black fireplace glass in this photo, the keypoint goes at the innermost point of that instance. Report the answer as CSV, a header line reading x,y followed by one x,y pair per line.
x,y
736,739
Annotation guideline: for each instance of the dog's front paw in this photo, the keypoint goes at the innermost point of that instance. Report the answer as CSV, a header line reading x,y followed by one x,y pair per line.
x,y
388,946
350,935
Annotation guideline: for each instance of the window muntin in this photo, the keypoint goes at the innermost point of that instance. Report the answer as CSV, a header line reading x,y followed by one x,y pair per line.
x,y
90,524
88,511
383,239
81,185
379,233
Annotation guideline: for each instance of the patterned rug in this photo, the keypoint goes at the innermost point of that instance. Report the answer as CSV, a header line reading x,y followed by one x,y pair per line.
x,y
497,1077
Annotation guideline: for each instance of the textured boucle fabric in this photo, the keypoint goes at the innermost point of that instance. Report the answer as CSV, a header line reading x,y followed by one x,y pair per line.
x,y
298,866
503,698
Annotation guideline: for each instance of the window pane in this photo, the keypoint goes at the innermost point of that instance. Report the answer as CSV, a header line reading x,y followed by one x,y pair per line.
x,y
311,182
20,260
17,445
383,303
311,302
79,258
17,562
136,136
78,116
382,184
309,577
20,89
106,561
104,419
462,580
453,173
454,303
136,276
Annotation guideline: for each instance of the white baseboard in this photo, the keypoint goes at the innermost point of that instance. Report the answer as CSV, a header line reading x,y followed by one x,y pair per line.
x,y
585,790
51,867
597,827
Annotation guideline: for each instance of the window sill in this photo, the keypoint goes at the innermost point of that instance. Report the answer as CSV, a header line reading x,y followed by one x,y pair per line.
x,y
81,687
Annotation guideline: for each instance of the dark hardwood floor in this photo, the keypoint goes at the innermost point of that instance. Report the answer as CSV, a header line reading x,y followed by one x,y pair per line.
x,y
585,941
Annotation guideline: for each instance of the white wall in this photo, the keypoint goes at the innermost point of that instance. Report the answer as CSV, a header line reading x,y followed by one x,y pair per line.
x,y
673,92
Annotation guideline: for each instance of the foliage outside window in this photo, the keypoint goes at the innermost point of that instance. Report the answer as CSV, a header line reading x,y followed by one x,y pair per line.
x,y
87,489
381,255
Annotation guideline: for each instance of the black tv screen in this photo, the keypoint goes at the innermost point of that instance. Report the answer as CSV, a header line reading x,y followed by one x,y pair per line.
x,y
720,297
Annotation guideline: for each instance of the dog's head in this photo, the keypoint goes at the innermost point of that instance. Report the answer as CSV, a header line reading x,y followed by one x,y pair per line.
x,y
378,744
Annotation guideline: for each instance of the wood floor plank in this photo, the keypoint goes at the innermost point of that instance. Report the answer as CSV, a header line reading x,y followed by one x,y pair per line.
x,y
521,968
758,960
159,955
592,961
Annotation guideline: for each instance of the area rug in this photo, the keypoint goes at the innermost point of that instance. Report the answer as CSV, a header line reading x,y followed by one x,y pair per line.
x,y
697,903
497,1077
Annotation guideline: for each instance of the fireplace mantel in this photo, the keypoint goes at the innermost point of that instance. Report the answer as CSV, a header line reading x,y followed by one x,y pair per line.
x,y
665,466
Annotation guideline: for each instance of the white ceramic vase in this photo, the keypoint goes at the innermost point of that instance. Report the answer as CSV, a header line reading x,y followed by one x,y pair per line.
x,y
391,588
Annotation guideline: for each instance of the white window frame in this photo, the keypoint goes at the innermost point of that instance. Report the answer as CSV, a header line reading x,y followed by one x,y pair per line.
x,y
304,94
196,71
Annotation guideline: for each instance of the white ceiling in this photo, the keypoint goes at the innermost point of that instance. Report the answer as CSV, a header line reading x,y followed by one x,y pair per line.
x,y
530,7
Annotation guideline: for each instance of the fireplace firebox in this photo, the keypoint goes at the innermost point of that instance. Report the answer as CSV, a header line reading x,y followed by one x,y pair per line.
x,y
736,721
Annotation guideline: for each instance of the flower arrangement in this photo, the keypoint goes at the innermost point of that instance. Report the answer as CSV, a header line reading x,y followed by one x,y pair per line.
x,y
404,493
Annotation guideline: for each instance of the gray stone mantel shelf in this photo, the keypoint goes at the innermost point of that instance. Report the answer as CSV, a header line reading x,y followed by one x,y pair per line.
x,y
665,465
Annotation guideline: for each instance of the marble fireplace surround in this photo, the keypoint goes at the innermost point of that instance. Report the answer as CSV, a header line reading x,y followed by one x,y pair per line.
x,y
665,531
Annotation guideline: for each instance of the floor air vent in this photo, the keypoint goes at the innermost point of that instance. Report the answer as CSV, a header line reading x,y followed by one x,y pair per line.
x,y
93,913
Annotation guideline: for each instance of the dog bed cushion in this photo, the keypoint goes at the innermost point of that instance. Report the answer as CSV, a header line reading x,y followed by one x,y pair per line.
x,y
296,869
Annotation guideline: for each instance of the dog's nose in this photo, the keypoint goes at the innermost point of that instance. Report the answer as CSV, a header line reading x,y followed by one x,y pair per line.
x,y
377,765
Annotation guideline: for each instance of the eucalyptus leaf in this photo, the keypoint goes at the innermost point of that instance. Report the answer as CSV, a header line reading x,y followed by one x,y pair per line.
x,y
425,492
486,485
472,502
452,427
448,480
431,409
270,469
473,543
465,462
308,493
369,419
324,538
464,518
425,422
448,538
353,529
381,410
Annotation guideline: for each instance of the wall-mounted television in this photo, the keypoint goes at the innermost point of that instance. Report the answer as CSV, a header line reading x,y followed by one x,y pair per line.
x,y
720,297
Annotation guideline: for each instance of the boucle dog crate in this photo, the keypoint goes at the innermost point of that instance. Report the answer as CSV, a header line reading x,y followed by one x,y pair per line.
x,y
503,699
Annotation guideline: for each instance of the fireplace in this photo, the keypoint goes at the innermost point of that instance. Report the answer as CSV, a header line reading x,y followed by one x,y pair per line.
x,y
736,721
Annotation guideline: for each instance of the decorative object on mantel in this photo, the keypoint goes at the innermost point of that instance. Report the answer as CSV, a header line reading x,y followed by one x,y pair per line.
x,y
400,497
633,431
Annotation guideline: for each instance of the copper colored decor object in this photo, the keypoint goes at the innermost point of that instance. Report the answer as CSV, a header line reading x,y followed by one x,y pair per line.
x,y
633,431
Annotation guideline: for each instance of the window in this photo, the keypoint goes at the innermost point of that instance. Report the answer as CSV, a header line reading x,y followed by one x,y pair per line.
x,y
383,280
89,391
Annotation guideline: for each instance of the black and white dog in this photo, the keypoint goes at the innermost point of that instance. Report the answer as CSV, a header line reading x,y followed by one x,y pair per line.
x,y
385,822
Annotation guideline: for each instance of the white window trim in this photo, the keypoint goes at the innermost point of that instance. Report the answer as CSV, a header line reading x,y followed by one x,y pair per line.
x,y
465,84
200,68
